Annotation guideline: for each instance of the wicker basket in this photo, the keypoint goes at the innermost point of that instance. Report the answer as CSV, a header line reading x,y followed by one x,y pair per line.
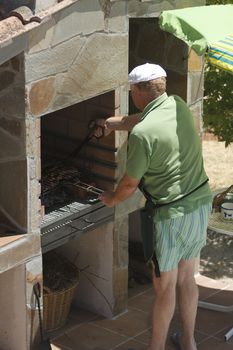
x,y
58,295
56,307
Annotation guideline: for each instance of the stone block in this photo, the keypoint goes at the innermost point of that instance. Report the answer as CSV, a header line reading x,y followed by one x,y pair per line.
x,y
20,251
41,5
33,275
195,87
93,254
12,93
13,309
13,47
34,216
50,62
12,102
82,18
117,20
13,191
101,66
138,8
40,38
196,110
16,63
10,146
122,100
13,127
6,78
163,5
195,62
120,241
41,95
33,147
120,287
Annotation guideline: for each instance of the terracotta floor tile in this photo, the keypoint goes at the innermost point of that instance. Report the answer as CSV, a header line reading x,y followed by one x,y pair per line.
x,y
214,344
129,324
199,337
76,317
205,292
145,336
132,344
211,322
221,335
150,292
133,328
90,337
138,289
213,284
170,347
224,297
142,302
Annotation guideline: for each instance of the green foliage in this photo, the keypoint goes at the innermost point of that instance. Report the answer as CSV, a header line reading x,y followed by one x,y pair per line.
x,y
218,103
219,2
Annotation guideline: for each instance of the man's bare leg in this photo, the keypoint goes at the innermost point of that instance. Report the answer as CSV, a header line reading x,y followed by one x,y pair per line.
x,y
164,306
187,298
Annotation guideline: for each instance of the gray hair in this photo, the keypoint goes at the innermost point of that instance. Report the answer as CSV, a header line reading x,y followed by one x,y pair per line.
x,y
153,88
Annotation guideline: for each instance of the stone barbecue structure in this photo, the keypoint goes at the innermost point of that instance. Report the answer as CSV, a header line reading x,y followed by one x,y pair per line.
x,y
63,64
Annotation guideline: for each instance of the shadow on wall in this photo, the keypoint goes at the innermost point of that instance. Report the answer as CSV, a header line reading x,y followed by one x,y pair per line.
x,y
8,5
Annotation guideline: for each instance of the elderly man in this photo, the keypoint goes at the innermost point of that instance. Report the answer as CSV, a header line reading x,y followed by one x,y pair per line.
x,y
165,159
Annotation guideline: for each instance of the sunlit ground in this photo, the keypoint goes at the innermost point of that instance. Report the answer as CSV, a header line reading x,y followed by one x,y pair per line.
x,y
217,256
218,163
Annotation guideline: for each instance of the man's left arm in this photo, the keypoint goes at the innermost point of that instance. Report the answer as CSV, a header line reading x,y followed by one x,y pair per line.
x,y
124,190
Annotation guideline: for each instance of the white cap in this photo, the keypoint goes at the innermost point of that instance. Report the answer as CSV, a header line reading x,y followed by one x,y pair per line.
x,y
146,72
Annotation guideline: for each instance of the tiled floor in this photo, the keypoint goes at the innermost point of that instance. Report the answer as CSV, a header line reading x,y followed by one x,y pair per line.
x,y
131,330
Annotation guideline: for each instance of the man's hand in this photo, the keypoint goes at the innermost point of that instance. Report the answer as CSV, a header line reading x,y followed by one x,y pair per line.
x,y
105,126
108,198
102,128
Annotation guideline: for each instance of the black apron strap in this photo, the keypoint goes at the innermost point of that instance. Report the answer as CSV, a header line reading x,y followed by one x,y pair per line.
x,y
158,205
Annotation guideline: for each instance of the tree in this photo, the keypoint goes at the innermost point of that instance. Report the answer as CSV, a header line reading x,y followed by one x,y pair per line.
x,y
218,101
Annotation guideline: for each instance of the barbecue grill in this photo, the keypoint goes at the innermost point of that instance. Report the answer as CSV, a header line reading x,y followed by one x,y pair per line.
x,y
72,206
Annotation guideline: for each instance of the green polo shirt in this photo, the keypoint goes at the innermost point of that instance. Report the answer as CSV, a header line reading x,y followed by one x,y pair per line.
x,y
165,151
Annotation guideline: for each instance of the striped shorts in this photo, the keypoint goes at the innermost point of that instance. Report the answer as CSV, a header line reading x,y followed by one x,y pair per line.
x,y
180,238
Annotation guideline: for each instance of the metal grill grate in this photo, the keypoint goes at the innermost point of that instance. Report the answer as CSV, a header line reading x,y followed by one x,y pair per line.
x,y
72,206
63,184
57,175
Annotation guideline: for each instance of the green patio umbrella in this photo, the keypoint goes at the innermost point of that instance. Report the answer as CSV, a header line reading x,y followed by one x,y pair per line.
x,y
204,28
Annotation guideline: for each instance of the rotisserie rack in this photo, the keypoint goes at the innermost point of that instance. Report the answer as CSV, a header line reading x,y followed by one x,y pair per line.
x,y
62,184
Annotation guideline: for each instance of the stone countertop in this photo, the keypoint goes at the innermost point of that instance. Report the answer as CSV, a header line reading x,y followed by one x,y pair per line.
x,y
17,249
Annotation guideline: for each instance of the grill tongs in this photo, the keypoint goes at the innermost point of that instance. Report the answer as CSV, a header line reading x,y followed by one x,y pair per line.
x,y
92,126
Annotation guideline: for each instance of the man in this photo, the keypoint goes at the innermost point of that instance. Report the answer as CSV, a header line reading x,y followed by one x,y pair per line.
x,y
164,154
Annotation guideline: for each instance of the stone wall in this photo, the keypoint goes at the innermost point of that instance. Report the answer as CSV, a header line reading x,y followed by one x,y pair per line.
x,y
13,162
